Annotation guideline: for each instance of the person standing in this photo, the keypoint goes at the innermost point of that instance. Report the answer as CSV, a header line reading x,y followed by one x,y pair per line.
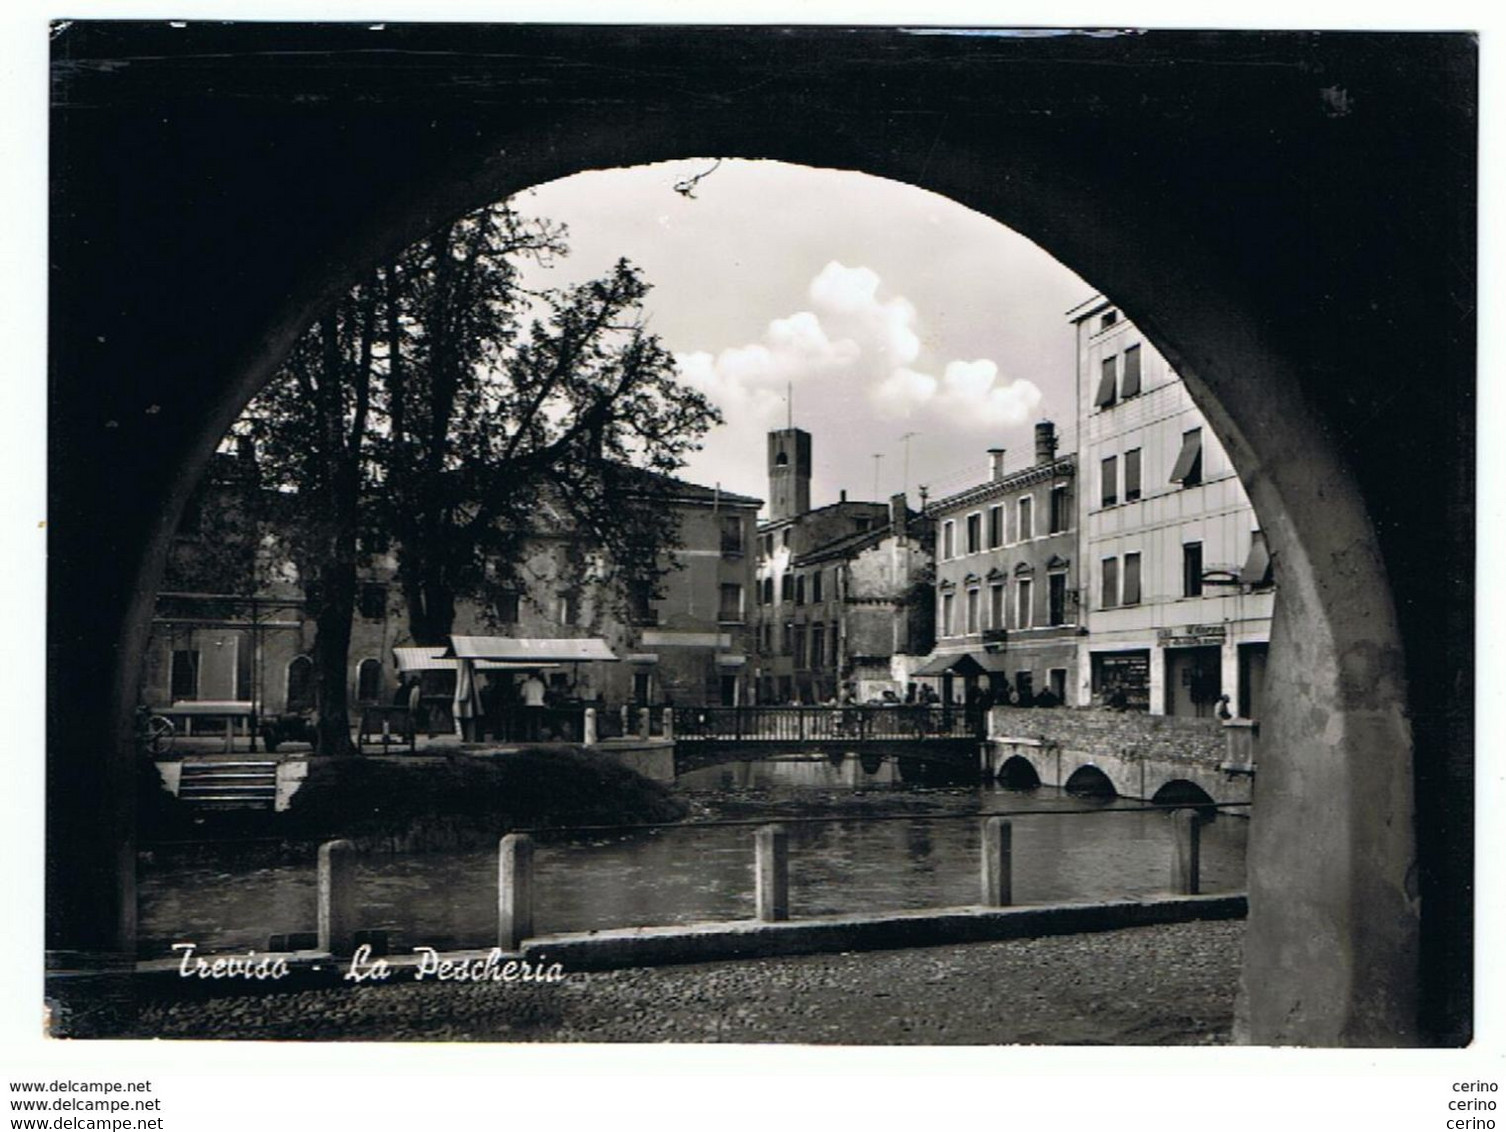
x,y
533,706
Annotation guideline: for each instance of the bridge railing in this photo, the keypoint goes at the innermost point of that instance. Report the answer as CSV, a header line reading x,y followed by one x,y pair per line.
x,y
856,723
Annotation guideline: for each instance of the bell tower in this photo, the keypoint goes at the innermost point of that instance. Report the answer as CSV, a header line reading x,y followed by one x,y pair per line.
x,y
789,473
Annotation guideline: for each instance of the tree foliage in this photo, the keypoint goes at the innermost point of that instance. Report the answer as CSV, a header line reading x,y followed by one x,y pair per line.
x,y
448,412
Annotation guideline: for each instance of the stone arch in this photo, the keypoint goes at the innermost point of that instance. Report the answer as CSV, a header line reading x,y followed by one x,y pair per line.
x,y
1018,773
1091,781
1332,955
1181,792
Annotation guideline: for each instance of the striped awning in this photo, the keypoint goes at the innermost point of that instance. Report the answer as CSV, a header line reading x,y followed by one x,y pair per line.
x,y
532,651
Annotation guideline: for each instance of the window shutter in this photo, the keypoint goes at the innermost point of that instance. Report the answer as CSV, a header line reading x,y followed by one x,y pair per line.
x,y
1257,567
1131,386
1190,460
1106,386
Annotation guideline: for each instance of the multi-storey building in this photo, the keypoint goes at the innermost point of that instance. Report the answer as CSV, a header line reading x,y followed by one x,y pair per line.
x,y
839,588
1176,575
1006,589
228,629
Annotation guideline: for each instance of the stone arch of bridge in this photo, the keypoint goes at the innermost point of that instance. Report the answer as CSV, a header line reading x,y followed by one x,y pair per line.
x,y
1331,954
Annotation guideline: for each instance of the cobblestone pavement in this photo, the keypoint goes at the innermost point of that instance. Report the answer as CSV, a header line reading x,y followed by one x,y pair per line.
x,y
1166,985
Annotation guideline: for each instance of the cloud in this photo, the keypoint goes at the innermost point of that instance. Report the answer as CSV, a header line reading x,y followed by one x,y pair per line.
x,y
872,344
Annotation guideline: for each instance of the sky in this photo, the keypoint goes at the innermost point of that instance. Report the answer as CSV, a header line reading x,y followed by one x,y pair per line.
x,y
882,310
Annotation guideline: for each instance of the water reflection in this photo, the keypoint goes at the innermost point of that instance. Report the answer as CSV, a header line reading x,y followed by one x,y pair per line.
x,y
924,853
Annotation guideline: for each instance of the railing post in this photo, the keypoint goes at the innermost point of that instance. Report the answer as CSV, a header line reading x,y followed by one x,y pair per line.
x,y
668,717
645,722
800,722
588,729
514,890
1186,832
627,721
998,863
771,870
337,897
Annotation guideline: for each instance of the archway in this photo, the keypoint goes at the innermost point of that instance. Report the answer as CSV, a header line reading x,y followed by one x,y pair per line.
x,y
1090,782
1018,774
1240,250
1180,792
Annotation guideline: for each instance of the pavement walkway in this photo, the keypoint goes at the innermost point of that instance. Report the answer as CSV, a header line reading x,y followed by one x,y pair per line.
x,y
1170,984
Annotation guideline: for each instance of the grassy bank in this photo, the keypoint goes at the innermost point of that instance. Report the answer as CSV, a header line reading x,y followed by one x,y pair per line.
x,y
463,801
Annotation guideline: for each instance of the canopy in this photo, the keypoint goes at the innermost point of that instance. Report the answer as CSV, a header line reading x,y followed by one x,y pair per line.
x,y
431,658
530,652
960,663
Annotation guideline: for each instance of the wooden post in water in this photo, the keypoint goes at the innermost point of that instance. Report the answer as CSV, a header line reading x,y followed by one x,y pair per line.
x,y
771,872
514,890
998,863
337,897
1186,833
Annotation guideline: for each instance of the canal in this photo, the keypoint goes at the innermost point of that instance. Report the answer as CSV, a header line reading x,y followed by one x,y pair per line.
x,y
879,845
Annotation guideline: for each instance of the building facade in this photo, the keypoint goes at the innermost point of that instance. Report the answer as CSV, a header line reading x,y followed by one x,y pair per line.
x,y
841,606
1007,614
229,628
1176,576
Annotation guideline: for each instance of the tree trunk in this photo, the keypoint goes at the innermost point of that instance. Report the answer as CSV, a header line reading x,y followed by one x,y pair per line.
x,y
332,622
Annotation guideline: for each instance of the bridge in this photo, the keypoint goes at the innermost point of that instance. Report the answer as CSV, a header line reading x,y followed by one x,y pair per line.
x,y
915,733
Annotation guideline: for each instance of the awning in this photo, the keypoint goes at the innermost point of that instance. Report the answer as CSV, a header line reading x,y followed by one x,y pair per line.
x,y
1190,459
431,658
957,663
532,651
1257,567
1106,386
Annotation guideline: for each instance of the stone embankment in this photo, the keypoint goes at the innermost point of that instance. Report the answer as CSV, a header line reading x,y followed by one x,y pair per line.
x,y
1170,984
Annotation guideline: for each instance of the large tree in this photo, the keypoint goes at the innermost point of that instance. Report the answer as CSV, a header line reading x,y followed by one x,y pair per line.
x,y
447,410
313,433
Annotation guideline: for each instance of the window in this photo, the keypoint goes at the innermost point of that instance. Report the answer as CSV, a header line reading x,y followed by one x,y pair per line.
x,y
1024,611
996,605
369,681
798,650
1059,521
766,637
1108,319
768,546
1056,680
732,535
1192,569
1027,517
1056,599
946,614
1110,480
972,611
507,606
800,589
836,645
787,587
995,527
1132,475
1131,594
974,533
569,607
816,587
1257,568
300,684
1130,387
1107,384
732,602
1189,466
789,636
818,645
184,678
768,590
1024,683
949,539
784,537
1110,595
373,601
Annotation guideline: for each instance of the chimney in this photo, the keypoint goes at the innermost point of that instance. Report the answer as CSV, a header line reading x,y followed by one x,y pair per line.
x,y
844,495
899,513
996,463
1045,442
